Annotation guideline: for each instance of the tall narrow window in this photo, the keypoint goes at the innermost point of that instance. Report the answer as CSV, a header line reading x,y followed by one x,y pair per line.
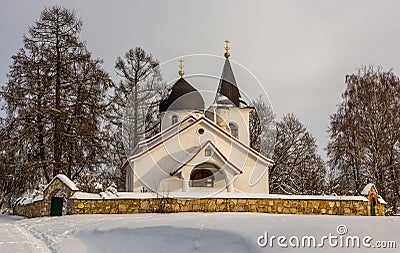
x,y
174,119
234,130
207,152
129,179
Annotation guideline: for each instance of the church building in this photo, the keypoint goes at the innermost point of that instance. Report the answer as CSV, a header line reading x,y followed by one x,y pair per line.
x,y
200,149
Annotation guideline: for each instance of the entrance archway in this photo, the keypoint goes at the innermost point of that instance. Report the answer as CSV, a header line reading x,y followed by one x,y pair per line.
x,y
56,208
203,175
58,203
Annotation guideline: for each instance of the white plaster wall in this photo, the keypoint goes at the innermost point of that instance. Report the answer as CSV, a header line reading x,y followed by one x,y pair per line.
x,y
152,168
254,179
240,117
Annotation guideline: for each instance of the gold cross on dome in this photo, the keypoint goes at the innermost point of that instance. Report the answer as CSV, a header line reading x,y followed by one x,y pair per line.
x,y
181,72
227,45
180,64
227,54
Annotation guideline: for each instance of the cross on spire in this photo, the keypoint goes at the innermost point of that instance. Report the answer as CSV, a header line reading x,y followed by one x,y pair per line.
x,y
227,54
181,72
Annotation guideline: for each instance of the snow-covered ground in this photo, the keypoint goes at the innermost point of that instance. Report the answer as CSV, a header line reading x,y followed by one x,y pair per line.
x,y
192,232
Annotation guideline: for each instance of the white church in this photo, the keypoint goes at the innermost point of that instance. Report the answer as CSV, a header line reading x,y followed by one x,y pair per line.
x,y
200,149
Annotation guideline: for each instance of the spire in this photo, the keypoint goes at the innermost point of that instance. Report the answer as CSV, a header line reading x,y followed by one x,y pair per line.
x,y
181,72
228,92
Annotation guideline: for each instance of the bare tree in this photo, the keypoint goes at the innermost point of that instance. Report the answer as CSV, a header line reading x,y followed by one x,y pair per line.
x,y
365,135
262,127
298,168
135,100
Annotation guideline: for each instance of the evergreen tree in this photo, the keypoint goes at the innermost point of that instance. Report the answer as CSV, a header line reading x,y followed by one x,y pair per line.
x,y
54,101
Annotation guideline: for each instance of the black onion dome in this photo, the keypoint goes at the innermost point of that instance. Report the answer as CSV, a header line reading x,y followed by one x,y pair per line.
x,y
227,86
183,96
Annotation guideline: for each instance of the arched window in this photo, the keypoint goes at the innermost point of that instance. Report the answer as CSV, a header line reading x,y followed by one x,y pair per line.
x,y
234,130
174,119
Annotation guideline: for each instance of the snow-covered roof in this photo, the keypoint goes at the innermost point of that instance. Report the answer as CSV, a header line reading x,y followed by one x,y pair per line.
x,y
215,150
381,200
162,138
144,145
63,178
26,201
367,188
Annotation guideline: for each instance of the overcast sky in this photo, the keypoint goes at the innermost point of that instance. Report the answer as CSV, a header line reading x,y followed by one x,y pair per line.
x,y
300,51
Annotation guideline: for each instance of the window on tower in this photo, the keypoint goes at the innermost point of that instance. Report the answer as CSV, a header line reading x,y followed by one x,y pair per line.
x,y
234,130
174,119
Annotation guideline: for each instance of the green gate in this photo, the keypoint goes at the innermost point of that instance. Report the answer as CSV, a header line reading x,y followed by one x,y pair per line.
x,y
373,204
56,206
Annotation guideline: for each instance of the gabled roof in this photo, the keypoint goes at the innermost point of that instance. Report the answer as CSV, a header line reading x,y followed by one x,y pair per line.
x,y
367,189
183,96
161,135
211,124
196,152
65,180
228,92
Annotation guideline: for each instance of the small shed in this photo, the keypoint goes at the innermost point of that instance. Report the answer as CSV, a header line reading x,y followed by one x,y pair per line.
x,y
374,199
56,194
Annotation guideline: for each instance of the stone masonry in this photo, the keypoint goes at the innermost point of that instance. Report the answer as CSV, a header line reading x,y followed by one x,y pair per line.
x,y
284,204
265,205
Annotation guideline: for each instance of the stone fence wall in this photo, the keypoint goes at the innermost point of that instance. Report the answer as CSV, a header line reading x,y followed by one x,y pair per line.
x,y
42,207
35,209
113,202
265,205
172,205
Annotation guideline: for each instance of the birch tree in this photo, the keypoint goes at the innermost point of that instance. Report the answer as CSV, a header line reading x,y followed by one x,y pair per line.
x,y
365,135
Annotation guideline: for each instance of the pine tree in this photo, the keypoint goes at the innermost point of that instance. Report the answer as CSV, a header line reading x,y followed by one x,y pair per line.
x,y
54,100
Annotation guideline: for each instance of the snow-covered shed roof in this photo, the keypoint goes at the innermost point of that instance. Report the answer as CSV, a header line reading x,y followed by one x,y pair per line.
x,y
367,188
63,178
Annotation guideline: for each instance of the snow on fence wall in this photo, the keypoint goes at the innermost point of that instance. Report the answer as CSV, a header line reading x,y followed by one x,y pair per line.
x,y
263,205
60,185
112,202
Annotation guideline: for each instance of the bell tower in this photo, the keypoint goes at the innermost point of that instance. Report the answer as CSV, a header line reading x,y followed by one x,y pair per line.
x,y
229,110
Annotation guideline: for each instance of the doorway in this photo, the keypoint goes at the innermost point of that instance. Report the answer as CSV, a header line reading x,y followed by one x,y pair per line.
x,y
56,206
202,178
373,204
